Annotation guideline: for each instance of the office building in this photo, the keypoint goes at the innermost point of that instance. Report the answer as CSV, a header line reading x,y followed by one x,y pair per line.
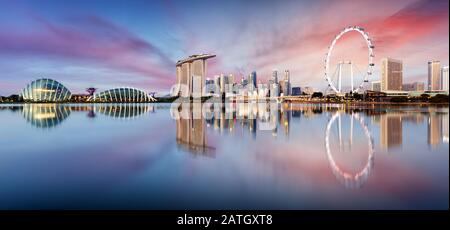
x,y
375,86
296,91
434,75
274,78
444,79
416,86
287,83
252,81
391,74
274,90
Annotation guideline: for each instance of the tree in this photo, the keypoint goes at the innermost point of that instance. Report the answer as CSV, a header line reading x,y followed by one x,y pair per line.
x,y
317,94
91,90
439,98
399,99
424,97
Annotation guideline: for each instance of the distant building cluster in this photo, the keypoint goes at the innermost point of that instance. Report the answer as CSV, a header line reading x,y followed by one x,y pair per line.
x,y
392,79
227,86
192,82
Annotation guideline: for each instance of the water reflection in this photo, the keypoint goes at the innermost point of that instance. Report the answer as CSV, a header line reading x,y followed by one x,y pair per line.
x,y
253,117
274,155
45,115
190,132
123,111
349,180
194,124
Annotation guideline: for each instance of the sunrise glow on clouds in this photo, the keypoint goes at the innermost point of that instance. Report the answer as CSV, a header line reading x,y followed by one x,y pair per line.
x,y
136,43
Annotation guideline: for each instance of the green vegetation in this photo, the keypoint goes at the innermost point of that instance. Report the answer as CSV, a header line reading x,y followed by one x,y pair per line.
x,y
439,98
399,99
11,99
317,95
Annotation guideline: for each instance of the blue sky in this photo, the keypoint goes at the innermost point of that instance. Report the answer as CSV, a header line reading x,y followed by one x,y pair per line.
x,y
108,44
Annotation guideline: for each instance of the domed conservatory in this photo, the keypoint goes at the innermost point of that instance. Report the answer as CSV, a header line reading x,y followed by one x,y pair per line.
x,y
45,90
124,94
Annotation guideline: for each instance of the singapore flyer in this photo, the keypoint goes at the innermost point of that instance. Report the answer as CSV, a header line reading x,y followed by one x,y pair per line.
x,y
337,86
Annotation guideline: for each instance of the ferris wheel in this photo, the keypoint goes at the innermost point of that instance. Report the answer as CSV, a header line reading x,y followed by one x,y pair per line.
x,y
370,47
350,180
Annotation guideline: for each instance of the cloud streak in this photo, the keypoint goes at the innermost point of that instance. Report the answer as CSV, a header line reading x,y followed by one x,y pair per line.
x,y
93,40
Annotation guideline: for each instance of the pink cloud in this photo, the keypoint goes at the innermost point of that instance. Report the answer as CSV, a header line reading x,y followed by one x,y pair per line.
x,y
94,40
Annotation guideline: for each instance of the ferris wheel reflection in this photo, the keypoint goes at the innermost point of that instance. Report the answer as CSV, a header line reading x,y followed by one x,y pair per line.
x,y
349,180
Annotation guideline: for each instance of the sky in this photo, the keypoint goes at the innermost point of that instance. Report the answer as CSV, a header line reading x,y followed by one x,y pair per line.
x,y
112,43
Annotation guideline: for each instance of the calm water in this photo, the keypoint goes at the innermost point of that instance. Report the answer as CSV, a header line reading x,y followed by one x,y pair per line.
x,y
246,156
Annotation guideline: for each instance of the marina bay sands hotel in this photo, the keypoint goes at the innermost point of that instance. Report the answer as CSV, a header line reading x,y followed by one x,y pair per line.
x,y
191,74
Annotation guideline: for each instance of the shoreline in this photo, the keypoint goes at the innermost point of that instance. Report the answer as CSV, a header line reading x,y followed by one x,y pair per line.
x,y
361,103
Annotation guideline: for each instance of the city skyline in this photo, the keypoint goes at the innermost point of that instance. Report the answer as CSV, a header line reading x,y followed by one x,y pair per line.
x,y
84,44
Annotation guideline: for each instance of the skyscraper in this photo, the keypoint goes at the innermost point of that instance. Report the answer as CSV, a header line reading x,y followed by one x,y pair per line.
x,y
416,86
376,86
391,74
252,81
434,75
287,83
274,76
444,78
217,84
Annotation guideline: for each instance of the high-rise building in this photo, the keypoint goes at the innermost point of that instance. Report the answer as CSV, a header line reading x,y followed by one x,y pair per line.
x,y
444,78
419,86
391,74
217,84
376,86
225,84
416,86
209,86
252,81
274,90
287,83
274,78
282,86
434,75
191,73
296,91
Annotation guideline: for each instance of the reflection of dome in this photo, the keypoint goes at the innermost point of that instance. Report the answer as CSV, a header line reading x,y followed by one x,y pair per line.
x,y
45,90
45,115
123,110
122,95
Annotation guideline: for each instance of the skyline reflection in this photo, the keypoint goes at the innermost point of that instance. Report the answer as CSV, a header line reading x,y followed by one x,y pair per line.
x,y
254,117
302,155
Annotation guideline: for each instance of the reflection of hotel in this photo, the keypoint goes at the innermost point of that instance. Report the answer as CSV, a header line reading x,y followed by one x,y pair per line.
x,y
391,130
434,130
445,128
191,134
